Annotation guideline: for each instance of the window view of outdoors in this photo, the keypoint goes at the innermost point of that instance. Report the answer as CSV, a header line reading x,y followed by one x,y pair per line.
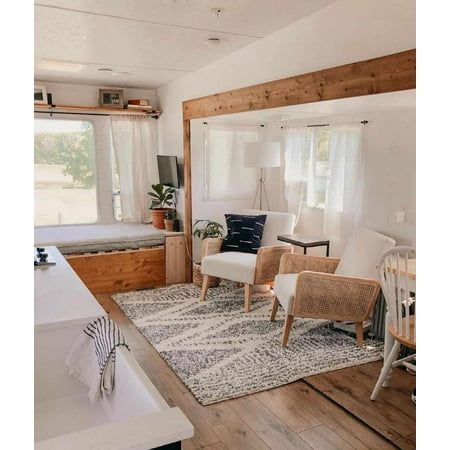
x,y
64,172
316,169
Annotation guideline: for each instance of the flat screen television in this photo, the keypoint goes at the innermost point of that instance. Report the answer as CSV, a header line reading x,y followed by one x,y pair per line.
x,y
168,171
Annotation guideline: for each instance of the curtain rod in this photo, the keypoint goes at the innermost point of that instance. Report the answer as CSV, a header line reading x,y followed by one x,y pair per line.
x,y
71,113
362,122
206,123
87,114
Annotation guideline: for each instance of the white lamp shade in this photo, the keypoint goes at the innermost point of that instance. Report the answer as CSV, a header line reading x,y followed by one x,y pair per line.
x,y
262,154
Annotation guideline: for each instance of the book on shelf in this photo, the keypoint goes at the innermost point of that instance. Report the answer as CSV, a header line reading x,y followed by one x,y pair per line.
x,y
139,102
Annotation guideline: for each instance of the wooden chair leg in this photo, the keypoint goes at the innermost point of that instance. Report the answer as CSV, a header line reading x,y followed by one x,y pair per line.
x,y
275,305
248,297
205,286
386,369
287,330
359,333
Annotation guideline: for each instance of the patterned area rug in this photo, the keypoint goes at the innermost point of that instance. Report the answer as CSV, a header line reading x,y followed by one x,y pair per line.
x,y
220,352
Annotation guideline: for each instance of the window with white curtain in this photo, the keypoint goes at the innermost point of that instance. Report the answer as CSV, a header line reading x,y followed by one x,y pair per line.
x,y
323,169
225,177
65,176
306,166
316,168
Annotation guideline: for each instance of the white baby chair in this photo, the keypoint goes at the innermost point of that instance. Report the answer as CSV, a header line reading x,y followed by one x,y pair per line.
x,y
395,284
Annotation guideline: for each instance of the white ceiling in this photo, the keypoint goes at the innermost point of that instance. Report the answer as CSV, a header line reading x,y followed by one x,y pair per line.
x,y
153,41
392,101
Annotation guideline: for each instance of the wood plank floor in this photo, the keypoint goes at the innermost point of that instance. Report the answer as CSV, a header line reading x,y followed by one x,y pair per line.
x,y
294,416
392,414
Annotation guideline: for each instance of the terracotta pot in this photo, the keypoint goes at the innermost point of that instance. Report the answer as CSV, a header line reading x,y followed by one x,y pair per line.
x,y
197,277
158,217
169,223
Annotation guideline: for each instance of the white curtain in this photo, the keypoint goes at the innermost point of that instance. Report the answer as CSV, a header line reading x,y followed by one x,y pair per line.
x,y
225,176
297,147
345,183
135,147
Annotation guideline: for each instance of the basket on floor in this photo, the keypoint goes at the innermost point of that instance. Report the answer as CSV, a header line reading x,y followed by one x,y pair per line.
x,y
197,277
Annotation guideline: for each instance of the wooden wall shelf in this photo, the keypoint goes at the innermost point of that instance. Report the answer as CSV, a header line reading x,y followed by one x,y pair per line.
x,y
70,109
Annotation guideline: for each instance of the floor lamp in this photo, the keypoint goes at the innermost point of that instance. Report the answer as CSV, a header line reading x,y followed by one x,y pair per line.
x,y
262,155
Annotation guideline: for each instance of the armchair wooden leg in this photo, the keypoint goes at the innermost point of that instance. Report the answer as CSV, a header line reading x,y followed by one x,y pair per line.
x,y
248,297
274,309
359,333
287,330
205,286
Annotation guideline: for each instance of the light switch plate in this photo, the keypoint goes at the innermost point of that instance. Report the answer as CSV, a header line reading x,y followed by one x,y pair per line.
x,y
400,217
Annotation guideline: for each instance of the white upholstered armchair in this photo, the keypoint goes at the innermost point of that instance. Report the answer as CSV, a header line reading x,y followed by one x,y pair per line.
x,y
248,268
329,288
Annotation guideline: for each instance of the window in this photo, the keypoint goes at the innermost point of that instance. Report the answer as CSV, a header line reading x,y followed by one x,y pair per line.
x,y
226,177
316,168
65,185
117,209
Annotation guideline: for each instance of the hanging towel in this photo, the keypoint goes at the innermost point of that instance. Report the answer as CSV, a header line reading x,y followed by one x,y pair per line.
x,y
93,356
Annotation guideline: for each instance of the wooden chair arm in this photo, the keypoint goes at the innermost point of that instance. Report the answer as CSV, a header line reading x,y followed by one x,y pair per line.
x,y
211,246
296,263
334,297
268,262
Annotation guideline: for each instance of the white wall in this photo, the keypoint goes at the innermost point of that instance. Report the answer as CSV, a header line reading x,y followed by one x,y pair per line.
x,y
343,32
87,95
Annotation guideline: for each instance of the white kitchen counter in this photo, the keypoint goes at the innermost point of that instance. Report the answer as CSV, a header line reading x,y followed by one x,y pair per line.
x,y
133,417
60,297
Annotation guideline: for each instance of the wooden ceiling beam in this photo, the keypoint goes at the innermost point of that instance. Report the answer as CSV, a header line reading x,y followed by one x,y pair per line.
x,y
389,73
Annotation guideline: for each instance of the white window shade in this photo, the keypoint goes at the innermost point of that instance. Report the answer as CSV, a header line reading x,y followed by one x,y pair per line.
x,y
226,176
262,155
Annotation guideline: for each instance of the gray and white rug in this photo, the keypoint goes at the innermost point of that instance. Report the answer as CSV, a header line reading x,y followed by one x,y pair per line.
x,y
220,352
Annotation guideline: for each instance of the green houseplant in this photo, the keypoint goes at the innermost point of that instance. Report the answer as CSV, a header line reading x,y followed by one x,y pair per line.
x,y
163,198
203,229
169,219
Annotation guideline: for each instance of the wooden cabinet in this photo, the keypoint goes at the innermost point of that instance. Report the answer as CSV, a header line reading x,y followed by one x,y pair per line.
x,y
175,258
120,270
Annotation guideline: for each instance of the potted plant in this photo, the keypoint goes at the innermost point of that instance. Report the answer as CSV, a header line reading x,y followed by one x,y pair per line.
x,y
169,219
203,229
163,197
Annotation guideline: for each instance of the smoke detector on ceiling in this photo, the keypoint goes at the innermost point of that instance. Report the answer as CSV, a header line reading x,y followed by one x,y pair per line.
x,y
217,11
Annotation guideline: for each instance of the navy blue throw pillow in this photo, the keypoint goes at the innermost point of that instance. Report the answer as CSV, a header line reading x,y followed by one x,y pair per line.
x,y
244,233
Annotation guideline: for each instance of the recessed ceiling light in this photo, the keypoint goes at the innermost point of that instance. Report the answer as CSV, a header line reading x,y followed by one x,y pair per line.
x,y
81,36
59,66
215,42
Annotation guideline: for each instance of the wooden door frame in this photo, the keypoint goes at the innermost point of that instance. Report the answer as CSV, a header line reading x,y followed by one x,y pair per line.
x,y
390,73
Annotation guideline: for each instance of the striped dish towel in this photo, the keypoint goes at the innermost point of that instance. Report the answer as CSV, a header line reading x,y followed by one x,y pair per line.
x,y
93,356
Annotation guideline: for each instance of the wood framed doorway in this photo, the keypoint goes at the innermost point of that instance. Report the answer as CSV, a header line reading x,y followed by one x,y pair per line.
x,y
390,73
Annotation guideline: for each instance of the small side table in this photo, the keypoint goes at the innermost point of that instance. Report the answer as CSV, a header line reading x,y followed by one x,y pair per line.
x,y
305,241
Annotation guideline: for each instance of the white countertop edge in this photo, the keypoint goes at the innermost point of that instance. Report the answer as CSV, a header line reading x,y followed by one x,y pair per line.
x,y
67,323
138,433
